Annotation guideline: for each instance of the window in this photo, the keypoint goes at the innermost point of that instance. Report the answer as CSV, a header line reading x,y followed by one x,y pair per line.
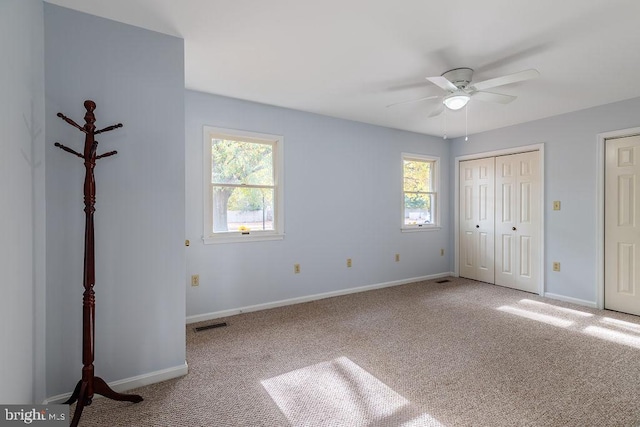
x,y
243,188
420,192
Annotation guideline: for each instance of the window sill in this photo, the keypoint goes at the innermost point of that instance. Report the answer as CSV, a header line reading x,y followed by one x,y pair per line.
x,y
423,228
241,238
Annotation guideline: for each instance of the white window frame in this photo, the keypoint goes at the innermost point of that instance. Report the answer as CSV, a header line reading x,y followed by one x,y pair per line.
x,y
435,190
208,236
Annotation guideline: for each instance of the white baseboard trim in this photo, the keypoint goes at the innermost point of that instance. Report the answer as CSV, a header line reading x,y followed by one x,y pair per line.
x,y
132,382
232,312
585,303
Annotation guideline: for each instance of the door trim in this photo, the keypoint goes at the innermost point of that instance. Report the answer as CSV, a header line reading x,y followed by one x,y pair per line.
x,y
600,177
456,200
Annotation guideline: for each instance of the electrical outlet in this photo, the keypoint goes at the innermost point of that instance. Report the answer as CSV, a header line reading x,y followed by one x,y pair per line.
x,y
296,268
397,257
556,205
442,252
348,262
556,266
195,280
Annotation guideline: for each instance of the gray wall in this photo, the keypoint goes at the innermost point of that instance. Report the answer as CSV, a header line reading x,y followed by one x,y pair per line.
x,y
343,197
21,180
570,176
136,77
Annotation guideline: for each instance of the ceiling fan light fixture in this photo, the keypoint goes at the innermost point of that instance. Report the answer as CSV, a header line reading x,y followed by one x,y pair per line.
x,y
456,100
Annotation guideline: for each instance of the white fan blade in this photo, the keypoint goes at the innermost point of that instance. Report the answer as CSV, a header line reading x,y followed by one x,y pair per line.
x,y
413,100
439,109
505,80
493,97
443,83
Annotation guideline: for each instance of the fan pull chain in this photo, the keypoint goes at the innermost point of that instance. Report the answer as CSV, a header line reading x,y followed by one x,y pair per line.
x,y
466,122
445,124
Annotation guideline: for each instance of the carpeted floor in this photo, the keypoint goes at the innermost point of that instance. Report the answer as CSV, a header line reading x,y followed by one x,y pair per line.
x,y
460,353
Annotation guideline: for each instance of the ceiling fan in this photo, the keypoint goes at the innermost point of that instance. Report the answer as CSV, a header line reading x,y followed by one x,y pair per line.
x,y
460,87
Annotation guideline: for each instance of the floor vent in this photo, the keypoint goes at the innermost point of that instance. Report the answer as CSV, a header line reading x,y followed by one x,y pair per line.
x,y
207,327
443,281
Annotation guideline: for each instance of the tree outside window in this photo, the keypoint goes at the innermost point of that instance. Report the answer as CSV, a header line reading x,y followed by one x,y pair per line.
x,y
243,191
419,191
242,184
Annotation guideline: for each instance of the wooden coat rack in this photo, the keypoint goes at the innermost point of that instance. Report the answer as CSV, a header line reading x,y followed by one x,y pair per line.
x,y
90,384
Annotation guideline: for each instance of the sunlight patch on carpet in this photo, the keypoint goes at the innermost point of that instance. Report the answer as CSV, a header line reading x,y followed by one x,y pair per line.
x,y
625,333
633,327
544,318
340,393
613,336
556,308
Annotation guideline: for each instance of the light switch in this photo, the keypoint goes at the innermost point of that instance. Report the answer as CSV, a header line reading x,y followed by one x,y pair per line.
x,y
556,205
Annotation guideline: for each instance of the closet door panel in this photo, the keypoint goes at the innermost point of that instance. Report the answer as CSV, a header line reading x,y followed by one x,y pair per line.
x,y
517,221
477,205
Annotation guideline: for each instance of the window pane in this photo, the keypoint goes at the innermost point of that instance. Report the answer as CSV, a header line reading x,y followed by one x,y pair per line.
x,y
419,209
242,209
239,162
417,175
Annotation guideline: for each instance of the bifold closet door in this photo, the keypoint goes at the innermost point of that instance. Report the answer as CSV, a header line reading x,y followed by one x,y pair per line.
x,y
517,221
476,258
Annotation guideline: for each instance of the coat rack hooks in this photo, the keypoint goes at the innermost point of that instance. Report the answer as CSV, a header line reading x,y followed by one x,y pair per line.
x,y
89,384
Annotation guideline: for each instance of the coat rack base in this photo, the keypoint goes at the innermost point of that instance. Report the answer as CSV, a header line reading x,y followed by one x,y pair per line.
x,y
84,398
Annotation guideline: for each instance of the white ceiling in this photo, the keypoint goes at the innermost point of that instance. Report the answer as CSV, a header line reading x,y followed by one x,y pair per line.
x,y
351,58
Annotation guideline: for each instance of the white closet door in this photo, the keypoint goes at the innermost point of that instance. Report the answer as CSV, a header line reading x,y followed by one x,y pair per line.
x,y
517,221
476,258
622,228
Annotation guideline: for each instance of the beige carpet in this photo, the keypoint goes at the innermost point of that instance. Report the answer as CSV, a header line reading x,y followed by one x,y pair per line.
x,y
461,353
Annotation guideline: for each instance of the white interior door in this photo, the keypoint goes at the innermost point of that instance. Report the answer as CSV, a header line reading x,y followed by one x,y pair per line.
x,y
476,258
622,231
517,221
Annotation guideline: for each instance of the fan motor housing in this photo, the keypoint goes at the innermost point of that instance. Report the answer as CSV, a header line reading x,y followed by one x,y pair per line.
x,y
460,77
